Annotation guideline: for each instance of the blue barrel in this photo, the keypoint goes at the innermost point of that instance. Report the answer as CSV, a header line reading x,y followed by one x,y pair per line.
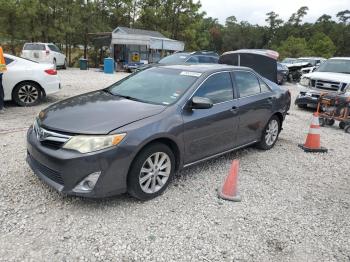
x,y
83,64
109,65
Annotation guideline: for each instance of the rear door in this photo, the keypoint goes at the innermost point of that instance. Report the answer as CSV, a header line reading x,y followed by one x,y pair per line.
x,y
255,106
211,131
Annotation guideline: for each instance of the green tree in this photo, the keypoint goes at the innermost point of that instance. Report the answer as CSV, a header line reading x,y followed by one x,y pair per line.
x,y
321,45
293,47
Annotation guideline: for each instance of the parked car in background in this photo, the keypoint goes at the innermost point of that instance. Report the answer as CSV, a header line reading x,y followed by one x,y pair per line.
x,y
331,76
27,82
198,57
132,136
282,73
314,63
44,53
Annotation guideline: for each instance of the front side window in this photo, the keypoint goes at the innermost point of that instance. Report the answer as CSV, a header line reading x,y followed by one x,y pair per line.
x,y
217,87
54,48
193,60
247,83
155,85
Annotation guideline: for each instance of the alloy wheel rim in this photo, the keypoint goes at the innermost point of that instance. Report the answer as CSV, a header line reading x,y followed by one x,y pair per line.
x,y
28,94
271,132
155,172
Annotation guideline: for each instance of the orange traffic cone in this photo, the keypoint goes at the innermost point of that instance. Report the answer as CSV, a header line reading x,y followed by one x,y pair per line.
x,y
313,139
229,189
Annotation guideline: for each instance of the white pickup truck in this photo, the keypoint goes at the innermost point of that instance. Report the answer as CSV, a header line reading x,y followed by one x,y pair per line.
x,y
332,76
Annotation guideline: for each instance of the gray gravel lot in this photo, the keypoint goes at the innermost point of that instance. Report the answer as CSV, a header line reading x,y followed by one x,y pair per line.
x,y
295,207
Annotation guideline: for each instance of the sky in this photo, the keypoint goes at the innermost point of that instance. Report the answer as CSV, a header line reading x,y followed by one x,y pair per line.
x,y
254,11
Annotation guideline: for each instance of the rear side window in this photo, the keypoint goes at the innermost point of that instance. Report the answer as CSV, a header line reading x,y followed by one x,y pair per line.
x,y
8,60
54,48
264,87
247,83
39,47
217,87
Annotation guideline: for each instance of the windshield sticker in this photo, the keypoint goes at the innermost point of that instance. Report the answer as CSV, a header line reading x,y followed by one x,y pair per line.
x,y
187,73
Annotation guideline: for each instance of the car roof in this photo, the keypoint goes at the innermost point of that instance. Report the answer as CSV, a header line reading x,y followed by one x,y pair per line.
x,y
204,68
40,43
312,57
343,58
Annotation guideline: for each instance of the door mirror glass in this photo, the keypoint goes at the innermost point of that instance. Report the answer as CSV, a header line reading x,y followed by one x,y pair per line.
x,y
201,103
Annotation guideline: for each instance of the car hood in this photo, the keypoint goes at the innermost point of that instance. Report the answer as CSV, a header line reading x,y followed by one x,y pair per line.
x,y
329,76
98,112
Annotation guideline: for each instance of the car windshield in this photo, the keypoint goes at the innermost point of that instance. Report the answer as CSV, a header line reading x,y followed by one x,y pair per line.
x,y
34,47
155,85
335,66
174,59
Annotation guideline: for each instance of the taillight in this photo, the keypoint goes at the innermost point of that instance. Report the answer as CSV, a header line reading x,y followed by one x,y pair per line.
x,y
51,72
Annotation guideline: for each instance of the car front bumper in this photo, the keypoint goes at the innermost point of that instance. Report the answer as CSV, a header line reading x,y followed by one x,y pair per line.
x,y
65,169
307,97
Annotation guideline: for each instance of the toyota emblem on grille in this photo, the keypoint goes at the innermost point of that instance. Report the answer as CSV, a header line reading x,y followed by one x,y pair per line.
x,y
41,134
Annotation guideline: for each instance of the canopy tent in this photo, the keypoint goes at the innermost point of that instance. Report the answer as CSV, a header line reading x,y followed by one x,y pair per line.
x,y
151,39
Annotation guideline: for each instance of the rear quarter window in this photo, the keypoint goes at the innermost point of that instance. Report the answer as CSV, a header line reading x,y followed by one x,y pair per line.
x,y
8,60
37,47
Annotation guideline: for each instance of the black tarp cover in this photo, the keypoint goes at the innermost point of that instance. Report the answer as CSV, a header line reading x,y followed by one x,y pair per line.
x,y
263,62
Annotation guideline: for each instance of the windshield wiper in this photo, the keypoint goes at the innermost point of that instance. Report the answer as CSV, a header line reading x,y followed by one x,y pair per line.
x,y
130,98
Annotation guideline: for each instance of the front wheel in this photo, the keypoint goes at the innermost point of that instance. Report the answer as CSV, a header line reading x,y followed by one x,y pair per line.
x,y
27,94
151,172
270,134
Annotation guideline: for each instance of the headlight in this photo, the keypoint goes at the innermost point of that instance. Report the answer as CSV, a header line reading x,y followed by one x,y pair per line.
x,y
304,81
86,144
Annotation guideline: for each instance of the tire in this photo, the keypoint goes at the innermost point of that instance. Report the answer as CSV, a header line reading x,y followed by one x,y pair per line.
x,y
330,122
342,125
347,129
27,94
269,138
322,121
149,184
65,64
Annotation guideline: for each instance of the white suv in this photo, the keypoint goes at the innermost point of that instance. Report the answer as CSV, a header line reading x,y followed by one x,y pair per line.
x,y
44,53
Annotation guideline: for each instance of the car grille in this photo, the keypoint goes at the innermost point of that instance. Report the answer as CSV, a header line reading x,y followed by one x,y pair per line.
x,y
327,85
46,171
50,139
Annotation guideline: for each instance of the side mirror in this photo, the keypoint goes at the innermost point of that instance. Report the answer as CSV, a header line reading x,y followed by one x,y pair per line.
x,y
201,103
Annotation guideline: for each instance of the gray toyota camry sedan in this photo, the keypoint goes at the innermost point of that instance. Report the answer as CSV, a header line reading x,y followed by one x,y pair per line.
x,y
132,136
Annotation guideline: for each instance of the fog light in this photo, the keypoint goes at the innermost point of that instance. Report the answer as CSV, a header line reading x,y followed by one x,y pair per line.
x,y
88,183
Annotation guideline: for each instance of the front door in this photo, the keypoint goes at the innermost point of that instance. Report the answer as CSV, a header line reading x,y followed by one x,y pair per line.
x,y
255,106
211,131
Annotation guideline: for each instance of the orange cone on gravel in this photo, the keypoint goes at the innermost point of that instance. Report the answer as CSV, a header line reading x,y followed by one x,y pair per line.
x,y
313,139
229,189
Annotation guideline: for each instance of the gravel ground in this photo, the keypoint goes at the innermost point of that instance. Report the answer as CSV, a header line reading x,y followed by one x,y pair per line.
x,y
295,206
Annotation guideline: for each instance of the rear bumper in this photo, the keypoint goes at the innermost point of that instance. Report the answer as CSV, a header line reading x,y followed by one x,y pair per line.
x,y
51,85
